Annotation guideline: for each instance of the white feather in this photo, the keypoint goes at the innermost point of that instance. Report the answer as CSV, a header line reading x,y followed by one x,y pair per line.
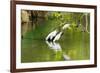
x,y
65,26
51,35
54,33
57,36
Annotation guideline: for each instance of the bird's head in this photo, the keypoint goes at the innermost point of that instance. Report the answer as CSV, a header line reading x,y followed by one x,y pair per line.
x,y
66,26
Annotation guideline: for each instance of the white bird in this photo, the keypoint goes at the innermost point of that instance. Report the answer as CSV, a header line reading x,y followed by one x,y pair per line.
x,y
51,35
56,34
57,37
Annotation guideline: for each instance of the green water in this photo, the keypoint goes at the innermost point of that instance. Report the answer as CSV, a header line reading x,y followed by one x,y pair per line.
x,y
74,44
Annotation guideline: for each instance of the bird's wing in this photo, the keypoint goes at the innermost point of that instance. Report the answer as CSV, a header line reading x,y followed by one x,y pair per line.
x,y
58,36
51,35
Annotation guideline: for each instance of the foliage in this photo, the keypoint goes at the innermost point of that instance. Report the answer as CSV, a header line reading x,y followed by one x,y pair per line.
x,y
74,42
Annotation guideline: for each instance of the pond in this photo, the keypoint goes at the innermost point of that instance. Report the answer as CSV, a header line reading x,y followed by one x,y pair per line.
x,y
73,45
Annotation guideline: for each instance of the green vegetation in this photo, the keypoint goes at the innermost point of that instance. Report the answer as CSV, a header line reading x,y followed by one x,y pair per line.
x,y
74,42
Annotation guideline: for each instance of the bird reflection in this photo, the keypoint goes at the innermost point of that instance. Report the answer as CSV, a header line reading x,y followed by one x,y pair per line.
x,y
56,47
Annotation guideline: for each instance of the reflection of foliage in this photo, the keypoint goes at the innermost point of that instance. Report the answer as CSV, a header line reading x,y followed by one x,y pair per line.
x,y
74,44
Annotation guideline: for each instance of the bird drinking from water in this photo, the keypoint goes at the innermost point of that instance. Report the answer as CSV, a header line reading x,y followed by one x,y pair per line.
x,y
57,33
